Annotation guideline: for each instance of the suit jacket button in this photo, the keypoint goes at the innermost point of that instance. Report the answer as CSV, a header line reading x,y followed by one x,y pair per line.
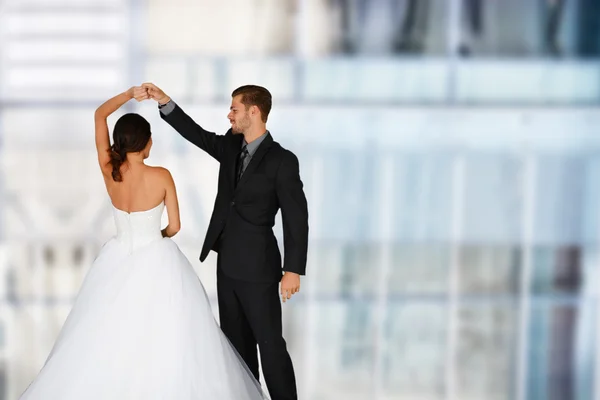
x,y
233,203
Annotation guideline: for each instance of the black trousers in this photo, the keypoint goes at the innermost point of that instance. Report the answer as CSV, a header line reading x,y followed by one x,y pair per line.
x,y
250,314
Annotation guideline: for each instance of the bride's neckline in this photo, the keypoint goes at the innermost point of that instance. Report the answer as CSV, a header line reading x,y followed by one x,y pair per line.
x,y
138,212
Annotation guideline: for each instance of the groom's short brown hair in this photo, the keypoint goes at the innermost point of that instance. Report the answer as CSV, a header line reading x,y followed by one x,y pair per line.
x,y
258,96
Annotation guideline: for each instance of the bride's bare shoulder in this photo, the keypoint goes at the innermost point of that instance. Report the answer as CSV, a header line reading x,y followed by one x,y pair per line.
x,y
160,174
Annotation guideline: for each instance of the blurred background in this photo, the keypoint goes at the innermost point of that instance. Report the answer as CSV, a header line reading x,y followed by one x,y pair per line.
x,y
450,155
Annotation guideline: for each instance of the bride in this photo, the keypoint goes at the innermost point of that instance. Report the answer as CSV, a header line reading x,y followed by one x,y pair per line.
x,y
141,326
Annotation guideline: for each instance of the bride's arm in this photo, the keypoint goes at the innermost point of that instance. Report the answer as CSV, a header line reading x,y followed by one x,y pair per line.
x,y
172,205
101,126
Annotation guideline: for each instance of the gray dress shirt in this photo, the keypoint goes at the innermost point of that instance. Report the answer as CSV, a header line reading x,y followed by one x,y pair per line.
x,y
251,147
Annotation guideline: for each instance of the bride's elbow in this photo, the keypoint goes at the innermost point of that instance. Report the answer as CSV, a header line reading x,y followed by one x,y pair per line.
x,y
99,114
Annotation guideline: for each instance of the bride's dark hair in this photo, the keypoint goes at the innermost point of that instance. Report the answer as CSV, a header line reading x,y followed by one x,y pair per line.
x,y
131,135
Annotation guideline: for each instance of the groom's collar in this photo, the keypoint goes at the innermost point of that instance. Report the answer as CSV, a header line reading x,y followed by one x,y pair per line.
x,y
252,146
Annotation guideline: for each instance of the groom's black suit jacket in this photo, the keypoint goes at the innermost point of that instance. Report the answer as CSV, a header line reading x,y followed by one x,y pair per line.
x,y
240,228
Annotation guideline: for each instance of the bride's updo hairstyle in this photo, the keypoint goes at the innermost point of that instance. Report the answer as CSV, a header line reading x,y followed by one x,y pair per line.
x,y
131,135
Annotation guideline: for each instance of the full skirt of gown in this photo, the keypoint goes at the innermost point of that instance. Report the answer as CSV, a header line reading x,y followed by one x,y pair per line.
x,y
142,328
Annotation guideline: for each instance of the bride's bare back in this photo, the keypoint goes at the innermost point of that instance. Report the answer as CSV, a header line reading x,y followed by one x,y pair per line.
x,y
143,187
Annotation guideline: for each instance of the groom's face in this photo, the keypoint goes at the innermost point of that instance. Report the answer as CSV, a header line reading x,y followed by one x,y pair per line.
x,y
238,115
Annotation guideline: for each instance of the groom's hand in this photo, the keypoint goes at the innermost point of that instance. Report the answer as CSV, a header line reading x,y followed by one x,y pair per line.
x,y
290,285
156,93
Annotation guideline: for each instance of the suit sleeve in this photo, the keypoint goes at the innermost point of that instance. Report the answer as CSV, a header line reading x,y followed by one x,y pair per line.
x,y
194,133
294,212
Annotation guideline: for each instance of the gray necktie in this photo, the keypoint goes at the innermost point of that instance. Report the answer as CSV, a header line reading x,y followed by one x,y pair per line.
x,y
243,155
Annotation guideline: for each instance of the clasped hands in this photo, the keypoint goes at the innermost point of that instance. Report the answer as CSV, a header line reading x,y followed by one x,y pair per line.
x,y
148,91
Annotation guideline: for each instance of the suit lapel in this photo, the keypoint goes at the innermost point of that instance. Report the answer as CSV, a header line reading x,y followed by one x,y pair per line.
x,y
233,157
258,155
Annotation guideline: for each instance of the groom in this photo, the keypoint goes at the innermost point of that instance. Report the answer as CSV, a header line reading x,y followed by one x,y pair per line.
x,y
257,177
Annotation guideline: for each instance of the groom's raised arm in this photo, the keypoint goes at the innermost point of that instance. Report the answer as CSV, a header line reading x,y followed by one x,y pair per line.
x,y
186,126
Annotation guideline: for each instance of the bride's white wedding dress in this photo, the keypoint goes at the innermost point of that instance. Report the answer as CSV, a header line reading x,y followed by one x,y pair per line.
x,y
142,328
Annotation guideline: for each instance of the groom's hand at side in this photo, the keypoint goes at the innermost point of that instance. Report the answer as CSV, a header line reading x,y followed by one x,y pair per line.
x,y
290,285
